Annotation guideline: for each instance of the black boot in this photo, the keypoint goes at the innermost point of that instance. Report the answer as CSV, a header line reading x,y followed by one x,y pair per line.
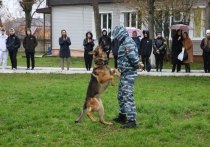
x,y
121,118
130,124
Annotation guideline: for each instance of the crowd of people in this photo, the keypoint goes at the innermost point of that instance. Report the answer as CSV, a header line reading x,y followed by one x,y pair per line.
x,y
145,45
10,44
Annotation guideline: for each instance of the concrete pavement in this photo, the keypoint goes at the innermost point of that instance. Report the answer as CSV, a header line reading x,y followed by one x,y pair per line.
x,y
57,70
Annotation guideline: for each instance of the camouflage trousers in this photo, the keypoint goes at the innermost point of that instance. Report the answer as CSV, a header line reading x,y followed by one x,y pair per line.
x,y
125,94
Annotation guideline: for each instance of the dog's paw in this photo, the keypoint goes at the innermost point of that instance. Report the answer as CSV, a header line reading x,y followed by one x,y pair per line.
x,y
76,121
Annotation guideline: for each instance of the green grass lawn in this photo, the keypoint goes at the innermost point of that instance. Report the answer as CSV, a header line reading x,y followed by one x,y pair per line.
x,y
40,109
79,62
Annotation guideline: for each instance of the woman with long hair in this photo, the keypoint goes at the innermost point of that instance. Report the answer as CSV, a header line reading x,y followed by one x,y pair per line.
x,y
64,42
188,46
88,44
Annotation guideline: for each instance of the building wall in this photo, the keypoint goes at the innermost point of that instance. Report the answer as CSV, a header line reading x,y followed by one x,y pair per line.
x,y
76,20
79,19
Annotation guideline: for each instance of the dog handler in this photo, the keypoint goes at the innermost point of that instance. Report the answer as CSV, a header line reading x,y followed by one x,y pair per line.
x,y
128,63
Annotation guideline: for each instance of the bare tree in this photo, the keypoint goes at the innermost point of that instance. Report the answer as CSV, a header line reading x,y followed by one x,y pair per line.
x,y
27,6
157,12
97,18
4,12
0,15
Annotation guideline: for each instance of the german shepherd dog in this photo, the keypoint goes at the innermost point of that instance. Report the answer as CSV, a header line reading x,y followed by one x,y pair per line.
x,y
101,77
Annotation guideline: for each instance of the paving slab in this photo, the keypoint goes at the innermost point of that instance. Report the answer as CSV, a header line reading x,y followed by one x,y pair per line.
x,y
57,70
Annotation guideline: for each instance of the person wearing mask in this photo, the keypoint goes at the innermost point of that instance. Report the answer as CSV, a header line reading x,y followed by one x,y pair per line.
x,y
105,42
13,44
145,50
128,63
30,43
188,46
205,46
88,44
176,50
159,50
64,42
136,39
3,48
115,47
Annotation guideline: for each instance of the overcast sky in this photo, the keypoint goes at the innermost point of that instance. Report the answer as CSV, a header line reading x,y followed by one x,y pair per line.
x,y
15,9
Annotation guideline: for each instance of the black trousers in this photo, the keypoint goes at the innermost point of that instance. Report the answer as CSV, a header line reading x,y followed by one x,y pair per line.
x,y
108,53
187,67
115,61
13,58
88,60
30,56
145,60
206,60
159,61
177,65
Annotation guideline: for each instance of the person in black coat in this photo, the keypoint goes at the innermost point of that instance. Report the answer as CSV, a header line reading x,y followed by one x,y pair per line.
x,y
88,44
13,44
145,50
205,46
176,50
159,50
30,43
105,42
64,42
115,46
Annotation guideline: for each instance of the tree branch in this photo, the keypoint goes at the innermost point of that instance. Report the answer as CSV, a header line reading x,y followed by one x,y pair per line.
x,y
40,3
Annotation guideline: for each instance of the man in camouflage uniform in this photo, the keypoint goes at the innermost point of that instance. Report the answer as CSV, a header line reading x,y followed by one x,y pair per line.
x,y
128,63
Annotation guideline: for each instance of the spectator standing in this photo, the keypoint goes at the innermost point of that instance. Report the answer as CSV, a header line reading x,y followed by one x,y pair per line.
x,y
64,42
205,46
3,48
88,44
188,46
13,44
145,50
136,39
159,50
115,47
105,42
176,50
30,43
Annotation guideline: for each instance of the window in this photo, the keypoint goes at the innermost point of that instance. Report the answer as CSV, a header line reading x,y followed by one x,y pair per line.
x,y
106,21
131,19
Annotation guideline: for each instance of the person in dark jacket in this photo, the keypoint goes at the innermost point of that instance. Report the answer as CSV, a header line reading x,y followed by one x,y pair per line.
x,y
205,46
115,47
176,50
30,43
145,50
13,44
64,42
136,39
105,42
88,44
159,50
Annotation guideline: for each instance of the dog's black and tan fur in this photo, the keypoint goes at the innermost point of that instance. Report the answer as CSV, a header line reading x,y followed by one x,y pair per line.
x,y
101,77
